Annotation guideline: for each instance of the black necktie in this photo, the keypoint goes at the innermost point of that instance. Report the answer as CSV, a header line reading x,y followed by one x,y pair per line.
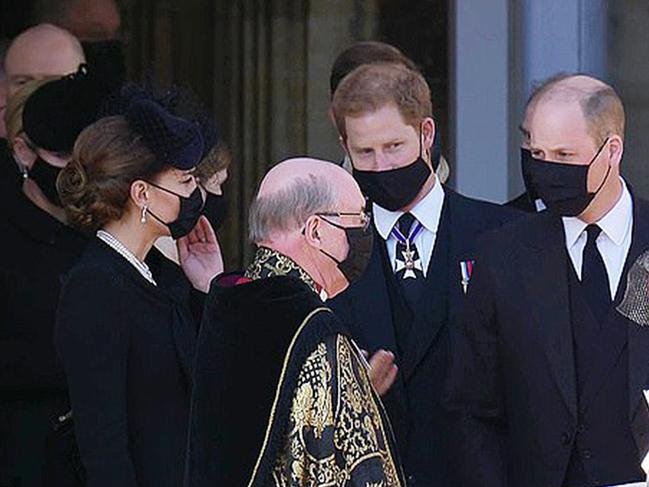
x,y
409,267
594,277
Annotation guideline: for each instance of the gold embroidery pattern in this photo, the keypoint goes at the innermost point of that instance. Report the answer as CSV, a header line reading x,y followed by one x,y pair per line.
x,y
360,434
269,263
327,446
312,406
273,410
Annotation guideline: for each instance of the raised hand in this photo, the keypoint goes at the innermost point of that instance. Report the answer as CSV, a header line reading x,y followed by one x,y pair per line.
x,y
200,255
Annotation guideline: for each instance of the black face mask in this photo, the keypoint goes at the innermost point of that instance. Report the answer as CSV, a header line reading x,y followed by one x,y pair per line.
x,y
396,188
216,209
44,175
562,187
190,211
106,61
532,193
360,241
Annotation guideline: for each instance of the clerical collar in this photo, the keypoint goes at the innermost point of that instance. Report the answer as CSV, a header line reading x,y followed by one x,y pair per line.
x,y
270,263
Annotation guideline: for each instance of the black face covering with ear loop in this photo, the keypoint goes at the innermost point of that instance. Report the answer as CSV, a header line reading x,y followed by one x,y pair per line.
x,y
360,242
395,188
45,175
215,209
562,187
190,211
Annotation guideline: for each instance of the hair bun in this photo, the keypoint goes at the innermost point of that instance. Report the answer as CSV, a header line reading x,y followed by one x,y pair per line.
x,y
77,195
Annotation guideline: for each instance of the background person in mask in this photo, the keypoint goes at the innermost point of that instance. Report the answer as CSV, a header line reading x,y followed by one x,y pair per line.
x,y
53,117
38,247
544,364
281,394
425,237
40,52
211,174
127,319
18,153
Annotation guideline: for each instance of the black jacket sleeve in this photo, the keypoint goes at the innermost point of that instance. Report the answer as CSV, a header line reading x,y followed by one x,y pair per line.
x,y
93,341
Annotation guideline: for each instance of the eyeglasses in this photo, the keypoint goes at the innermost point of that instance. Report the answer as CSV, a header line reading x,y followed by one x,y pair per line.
x,y
364,216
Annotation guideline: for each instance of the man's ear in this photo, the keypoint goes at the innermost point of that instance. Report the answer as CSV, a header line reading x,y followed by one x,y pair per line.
x,y
428,130
616,149
23,153
312,231
343,144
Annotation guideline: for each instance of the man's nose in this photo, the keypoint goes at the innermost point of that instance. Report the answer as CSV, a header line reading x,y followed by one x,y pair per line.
x,y
382,161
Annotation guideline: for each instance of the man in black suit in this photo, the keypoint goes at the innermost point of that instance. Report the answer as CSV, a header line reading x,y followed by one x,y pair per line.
x,y
422,259
550,373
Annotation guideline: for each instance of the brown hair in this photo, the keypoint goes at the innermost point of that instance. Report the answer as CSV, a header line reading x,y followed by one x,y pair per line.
x,y
372,86
15,105
604,114
365,52
217,159
95,186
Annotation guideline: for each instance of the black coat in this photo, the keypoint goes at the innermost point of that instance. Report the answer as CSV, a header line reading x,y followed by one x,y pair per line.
x,y
514,362
243,360
414,403
127,348
523,203
36,250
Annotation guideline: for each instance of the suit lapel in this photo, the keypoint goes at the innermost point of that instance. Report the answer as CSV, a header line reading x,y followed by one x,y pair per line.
x,y
611,343
609,347
545,271
432,312
372,315
377,316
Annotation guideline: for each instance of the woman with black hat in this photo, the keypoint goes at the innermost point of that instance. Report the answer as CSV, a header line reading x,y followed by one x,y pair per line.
x,y
125,328
45,119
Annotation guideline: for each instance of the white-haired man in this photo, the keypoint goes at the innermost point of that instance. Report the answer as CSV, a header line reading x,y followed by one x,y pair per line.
x,y
281,394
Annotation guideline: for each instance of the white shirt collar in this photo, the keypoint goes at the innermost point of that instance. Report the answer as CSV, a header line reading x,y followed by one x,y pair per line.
x,y
427,212
615,224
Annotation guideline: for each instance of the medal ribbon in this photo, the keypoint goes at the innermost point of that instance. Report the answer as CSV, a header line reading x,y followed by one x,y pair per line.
x,y
414,231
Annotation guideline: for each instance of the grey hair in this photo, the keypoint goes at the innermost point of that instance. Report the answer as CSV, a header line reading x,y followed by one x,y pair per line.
x,y
289,208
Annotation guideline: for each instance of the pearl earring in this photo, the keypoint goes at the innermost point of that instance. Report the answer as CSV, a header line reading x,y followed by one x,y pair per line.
x,y
143,218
